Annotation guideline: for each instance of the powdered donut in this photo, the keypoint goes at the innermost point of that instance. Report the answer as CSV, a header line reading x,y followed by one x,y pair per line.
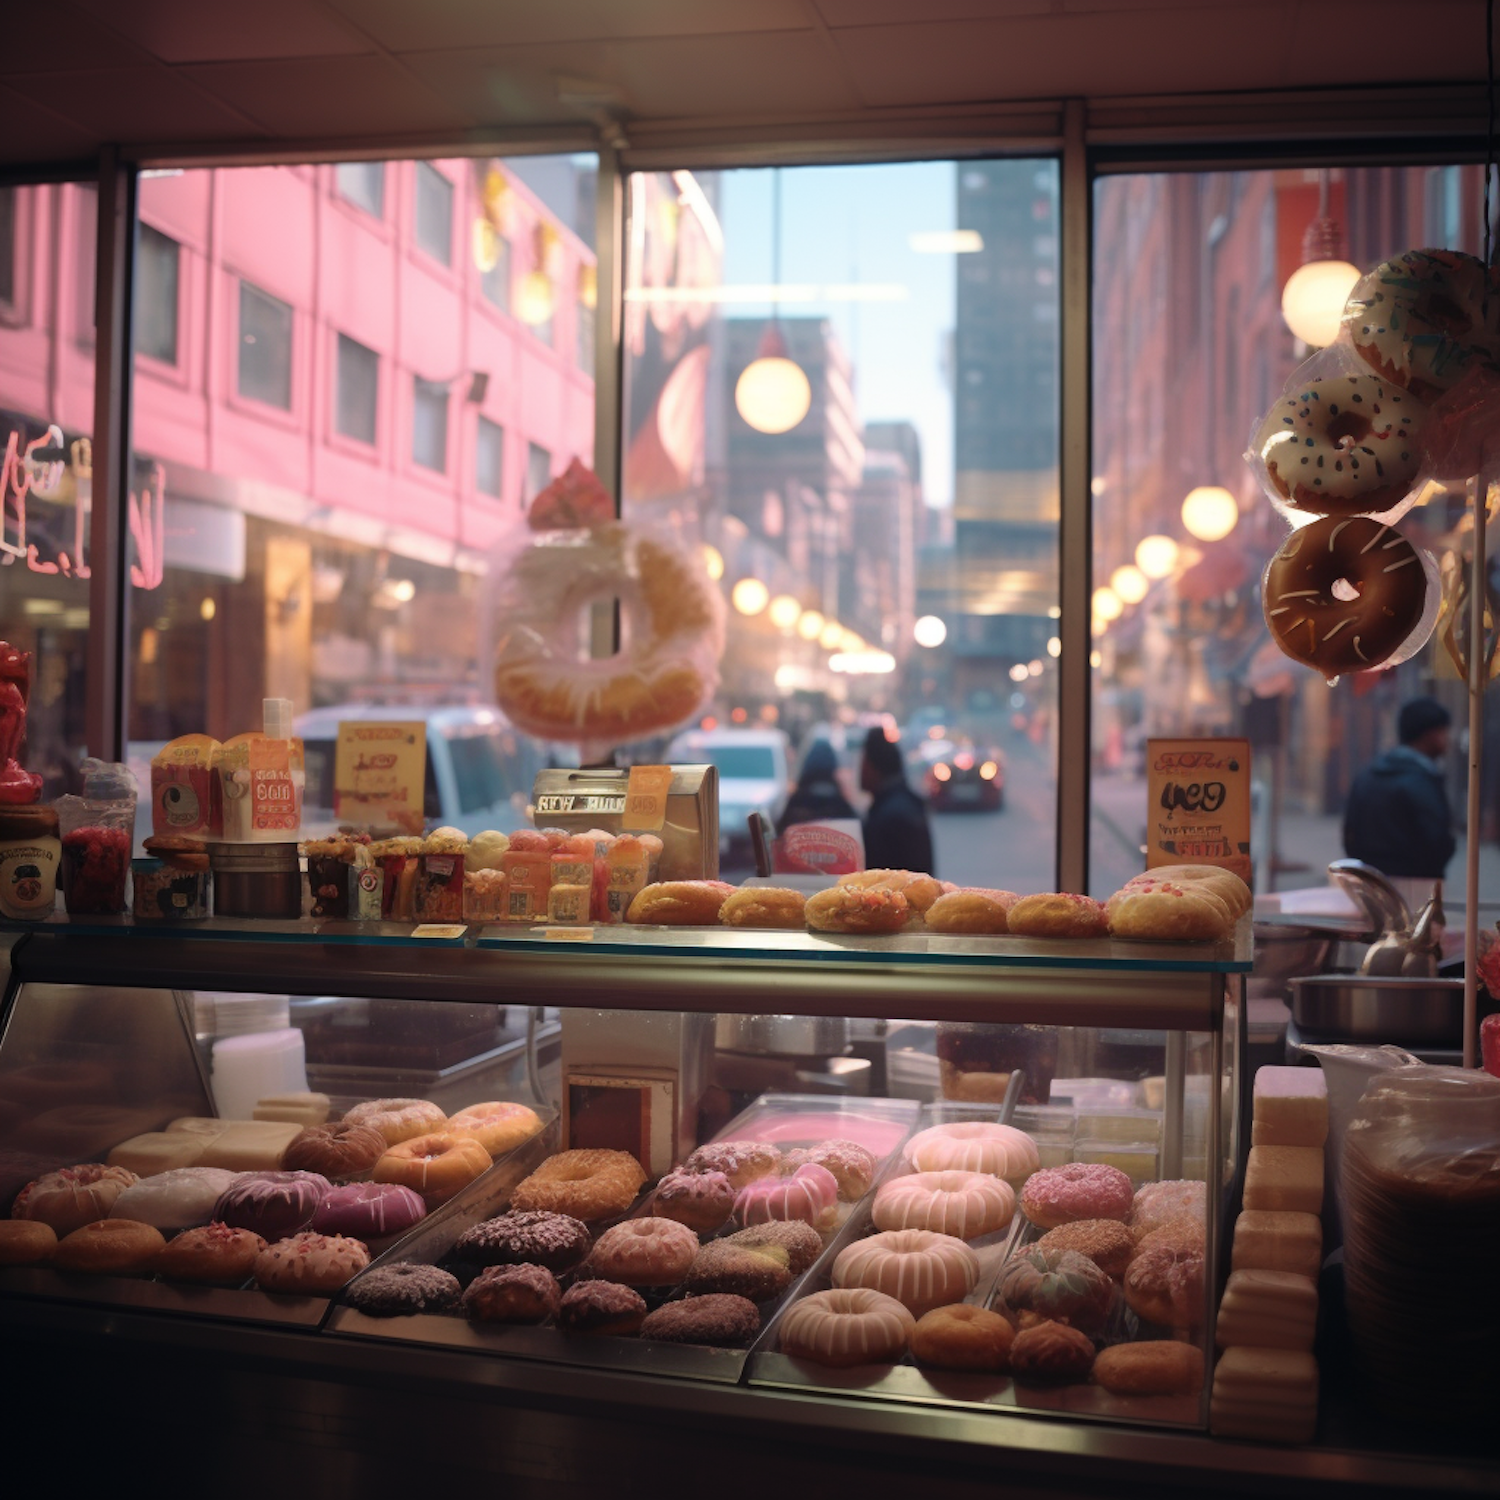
x,y
971,910
845,1327
1057,1284
963,1204
398,1119
810,1194
740,1161
764,906
853,1166
1106,1242
1158,1203
962,1337
975,1146
1058,914
555,1242
645,1252
1076,1190
869,910
701,1200
1164,912
721,1321
920,1269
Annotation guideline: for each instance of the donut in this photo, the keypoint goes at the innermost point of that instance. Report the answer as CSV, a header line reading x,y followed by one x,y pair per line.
x,y
673,628
764,906
1051,1351
1153,1367
1076,1190
1224,884
26,1242
847,908
1106,1242
368,1211
679,903
852,1165
917,1267
920,890
1058,914
975,1146
963,1204
962,1337
397,1119
305,1264
403,1290
740,1161
1164,912
71,1197
512,1294
1180,1235
845,1327
1313,625
645,1252
758,1272
1344,446
1204,891
1424,319
601,1307
210,1255
586,1185
437,1166
718,1319
971,910
701,1200
109,1247
273,1204
174,1200
810,1194
1158,1203
802,1243
339,1152
555,1242
1057,1284
1164,1284
498,1127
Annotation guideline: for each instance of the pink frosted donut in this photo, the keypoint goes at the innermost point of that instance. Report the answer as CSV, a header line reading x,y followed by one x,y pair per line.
x,y
1158,1203
811,1194
368,1210
975,1146
963,1204
852,1165
273,1204
398,1119
853,1326
920,1269
643,1252
1077,1190
71,1197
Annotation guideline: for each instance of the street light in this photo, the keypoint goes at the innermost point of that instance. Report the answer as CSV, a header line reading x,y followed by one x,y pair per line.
x,y
1312,301
1156,555
831,635
713,562
929,631
750,596
785,611
1107,605
1210,512
1130,583
810,625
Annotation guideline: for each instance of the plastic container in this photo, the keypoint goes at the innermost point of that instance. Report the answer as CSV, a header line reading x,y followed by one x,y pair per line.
x,y
30,854
98,830
247,1068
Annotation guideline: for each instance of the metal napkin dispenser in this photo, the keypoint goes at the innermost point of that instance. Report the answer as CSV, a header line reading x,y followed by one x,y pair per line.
x,y
580,800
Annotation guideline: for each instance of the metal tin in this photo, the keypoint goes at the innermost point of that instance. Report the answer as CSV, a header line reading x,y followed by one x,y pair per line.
x,y
1376,1008
256,880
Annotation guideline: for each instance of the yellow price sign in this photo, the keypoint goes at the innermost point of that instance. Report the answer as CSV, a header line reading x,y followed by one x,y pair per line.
x,y
380,771
646,799
1198,803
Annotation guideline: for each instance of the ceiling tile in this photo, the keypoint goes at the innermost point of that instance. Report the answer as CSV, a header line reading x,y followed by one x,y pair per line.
x,y
31,134
897,12
517,85
135,104
1448,45
57,37
193,31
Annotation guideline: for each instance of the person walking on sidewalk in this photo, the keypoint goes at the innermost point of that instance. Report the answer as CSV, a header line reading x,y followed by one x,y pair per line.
x,y
897,833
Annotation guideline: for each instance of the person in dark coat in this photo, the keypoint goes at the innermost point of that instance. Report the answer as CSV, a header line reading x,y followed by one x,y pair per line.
x,y
1397,817
817,796
897,834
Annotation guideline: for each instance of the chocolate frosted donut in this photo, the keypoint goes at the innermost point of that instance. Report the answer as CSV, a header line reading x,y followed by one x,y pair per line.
x,y
554,1241
403,1290
601,1307
723,1321
512,1294
1377,570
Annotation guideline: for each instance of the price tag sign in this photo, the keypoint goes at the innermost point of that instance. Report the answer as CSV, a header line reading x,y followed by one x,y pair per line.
x,y
378,773
1198,808
646,799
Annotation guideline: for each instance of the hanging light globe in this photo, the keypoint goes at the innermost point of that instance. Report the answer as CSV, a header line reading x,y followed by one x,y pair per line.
x,y
1210,513
1157,555
772,394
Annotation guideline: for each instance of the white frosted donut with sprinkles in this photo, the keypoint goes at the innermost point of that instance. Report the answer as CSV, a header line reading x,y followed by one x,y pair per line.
x,y
1343,446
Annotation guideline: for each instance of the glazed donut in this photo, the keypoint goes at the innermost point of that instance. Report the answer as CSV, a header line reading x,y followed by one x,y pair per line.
x,y
555,1242
307,1263
1224,884
920,890
810,1194
273,1204
1058,914
1076,1190
673,630
764,906
512,1294
1164,1284
71,1197
847,1326
109,1247
703,1201
1106,1242
852,1165
26,1242
586,1185
1421,320
1057,1284
1157,1204
962,1204
403,1290
601,1307
962,1337
679,903
740,1161
757,1272
174,1200
212,1255
1308,620
1051,1351
340,1152
436,1166
1179,1234
643,1252
864,909
498,1127
720,1320
920,1269
1164,912
975,1146
971,910
369,1211
398,1119
801,1242
1344,446
1153,1367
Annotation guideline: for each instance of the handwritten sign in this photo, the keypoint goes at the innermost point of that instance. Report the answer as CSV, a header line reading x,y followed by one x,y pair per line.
x,y
1198,803
646,799
379,773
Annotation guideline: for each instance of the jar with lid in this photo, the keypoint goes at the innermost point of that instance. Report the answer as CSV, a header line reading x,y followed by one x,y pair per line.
x,y
30,853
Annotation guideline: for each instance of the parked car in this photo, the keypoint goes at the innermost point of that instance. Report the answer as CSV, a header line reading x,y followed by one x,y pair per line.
x,y
753,776
958,775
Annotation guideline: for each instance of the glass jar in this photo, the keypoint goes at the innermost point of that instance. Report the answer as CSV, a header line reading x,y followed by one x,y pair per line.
x,y
30,853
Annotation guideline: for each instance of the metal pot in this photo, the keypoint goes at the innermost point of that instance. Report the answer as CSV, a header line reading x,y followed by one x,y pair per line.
x,y
1377,1008
1285,949
783,1036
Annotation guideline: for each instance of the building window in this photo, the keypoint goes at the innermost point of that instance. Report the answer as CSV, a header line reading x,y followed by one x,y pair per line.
x,y
157,258
434,213
429,426
265,347
358,390
8,246
538,470
489,457
584,343
363,184
495,283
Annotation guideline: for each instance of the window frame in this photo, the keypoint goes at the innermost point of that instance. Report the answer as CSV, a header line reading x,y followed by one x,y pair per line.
x,y
483,425
426,171
171,367
248,400
420,386
367,447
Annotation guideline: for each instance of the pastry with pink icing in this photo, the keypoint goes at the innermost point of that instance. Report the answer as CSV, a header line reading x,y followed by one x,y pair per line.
x,y
369,1210
645,1252
273,1204
742,1162
917,1267
811,1194
975,1146
853,1166
308,1264
847,1326
1077,1190
71,1197
963,1204
701,1200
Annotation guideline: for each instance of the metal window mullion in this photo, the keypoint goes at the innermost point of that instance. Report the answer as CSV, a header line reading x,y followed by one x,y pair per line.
x,y
106,656
609,382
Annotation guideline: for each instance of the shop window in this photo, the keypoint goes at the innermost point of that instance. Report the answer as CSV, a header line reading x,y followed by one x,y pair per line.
x,y
495,282
489,457
434,213
265,347
8,246
358,390
429,426
362,183
158,260
538,470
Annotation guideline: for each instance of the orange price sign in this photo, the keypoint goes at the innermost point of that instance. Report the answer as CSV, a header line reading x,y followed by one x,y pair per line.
x,y
1198,803
646,799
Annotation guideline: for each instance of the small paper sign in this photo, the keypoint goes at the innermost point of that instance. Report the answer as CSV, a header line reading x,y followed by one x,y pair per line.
x,y
646,799
1198,811
378,773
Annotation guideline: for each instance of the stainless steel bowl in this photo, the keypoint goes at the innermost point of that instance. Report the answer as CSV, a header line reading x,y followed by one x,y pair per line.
x,y
783,1036
1285,949
1376,1008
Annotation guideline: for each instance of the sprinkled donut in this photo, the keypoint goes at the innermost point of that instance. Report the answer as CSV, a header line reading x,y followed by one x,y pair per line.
x,y
403,1290
1077,1190
847,1326
920,1269
701,1200
1342,446
1159,1203
810,1194
555,1242
719,1319
1359,557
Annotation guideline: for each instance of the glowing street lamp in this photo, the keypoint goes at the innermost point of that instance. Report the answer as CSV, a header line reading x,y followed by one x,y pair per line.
x,y
1156,555
785,611
750,596
1210,513
930,631
1130,583
1107,605
810,625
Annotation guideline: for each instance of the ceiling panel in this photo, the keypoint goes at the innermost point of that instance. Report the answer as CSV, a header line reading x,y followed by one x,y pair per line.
x,y
195,31
518,85
895,12
136,104
33,134
32,43
1387,41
